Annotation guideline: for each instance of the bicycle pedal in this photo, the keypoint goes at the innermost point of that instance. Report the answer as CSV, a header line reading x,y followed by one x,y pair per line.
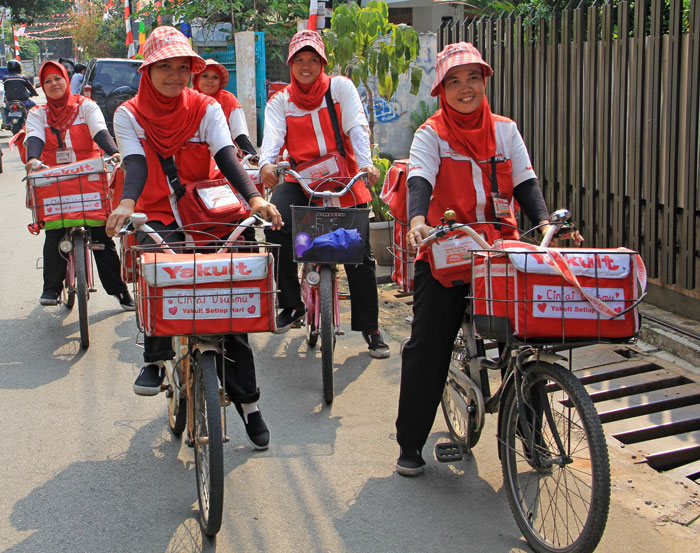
x,y
298,324
93,290
449,452
343,295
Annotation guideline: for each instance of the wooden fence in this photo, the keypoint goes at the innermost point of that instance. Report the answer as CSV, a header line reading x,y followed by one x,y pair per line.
x,y
606,98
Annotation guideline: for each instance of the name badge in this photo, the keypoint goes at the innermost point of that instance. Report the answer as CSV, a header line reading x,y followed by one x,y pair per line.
x,y
64,155
501,205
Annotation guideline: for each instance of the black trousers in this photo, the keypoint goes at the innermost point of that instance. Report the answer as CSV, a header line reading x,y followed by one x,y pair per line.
x,y
239,364
362,278
107,261
437,316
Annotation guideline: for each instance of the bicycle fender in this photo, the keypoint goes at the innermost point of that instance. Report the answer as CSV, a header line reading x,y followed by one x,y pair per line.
x,y
545,357
204,347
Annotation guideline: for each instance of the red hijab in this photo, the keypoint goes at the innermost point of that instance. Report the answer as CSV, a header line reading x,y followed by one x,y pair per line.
x,y
167,122
472,134
63,111
228,100
310,96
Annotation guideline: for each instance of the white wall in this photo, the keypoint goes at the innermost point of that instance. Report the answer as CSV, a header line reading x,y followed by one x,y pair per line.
x,y
392,127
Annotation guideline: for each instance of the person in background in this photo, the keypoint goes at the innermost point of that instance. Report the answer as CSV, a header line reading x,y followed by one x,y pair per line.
x,y
77,79
298,118
451,165
17,86
70,128
167,119
212,82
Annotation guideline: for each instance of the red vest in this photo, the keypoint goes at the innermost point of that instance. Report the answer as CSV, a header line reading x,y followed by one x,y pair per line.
x,y
302,144
77,137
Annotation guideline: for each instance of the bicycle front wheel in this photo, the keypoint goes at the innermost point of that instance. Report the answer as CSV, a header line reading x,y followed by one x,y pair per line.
x,y
208,442
555,462
310,298
177,396
327,340
81,288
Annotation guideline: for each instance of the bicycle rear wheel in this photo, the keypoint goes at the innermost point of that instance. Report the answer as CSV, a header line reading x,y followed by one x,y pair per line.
x,y
456,399
81,287
177,396
558,482
327,340
208,442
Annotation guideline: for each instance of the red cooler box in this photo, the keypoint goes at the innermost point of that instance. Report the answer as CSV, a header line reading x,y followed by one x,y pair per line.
x,y
212,293
70,195
556,294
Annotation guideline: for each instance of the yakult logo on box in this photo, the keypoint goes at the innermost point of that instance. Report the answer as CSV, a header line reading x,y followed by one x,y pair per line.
x,y
588,264
72,203
567,301
63,172
211,303
173,270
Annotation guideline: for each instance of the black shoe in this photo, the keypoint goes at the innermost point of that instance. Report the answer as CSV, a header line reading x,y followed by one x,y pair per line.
x,y
148,381
126,301
257,431
49,297
287,317
410,463
377,348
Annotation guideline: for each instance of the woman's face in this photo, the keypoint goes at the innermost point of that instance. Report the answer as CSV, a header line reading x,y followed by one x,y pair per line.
x,y
54,86
170,76
464,87
209,82
306,67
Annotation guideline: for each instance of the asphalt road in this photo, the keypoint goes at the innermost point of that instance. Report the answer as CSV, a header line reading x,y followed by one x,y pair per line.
x,y
87,466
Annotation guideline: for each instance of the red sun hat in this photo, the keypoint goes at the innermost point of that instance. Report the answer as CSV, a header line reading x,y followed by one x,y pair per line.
x,y
167,42
305,38
220,69
452,55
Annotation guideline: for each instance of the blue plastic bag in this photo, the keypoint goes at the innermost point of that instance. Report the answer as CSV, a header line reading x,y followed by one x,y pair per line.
x,y
340,246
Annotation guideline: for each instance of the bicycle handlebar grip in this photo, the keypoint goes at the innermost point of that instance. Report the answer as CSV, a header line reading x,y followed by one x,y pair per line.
x,y
138,219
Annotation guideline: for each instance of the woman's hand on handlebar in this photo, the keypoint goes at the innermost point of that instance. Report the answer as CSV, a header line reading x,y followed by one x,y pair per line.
x,y
34,164
372,174
119,216
266,210
268,176
576,236
419,232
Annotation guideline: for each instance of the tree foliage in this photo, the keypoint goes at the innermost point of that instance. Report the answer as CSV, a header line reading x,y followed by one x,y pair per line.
x,y
97,36
362,43
276,17
26,11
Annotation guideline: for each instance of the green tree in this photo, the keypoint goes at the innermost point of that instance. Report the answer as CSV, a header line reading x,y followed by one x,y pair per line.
x,y
25,11
97,36
362,43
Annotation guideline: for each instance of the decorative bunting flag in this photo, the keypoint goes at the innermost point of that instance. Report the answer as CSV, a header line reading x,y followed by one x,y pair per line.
x,y
142,36
16,41
129,34
313,15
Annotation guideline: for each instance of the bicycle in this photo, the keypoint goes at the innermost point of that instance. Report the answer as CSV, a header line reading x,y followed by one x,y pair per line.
x,y
551,444
205,279
72,197
319,273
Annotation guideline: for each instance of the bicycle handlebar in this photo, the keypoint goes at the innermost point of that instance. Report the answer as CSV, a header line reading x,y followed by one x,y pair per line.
x,y
283,168
138,221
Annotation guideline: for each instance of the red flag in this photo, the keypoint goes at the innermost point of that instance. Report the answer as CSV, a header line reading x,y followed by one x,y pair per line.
x,y
313,15
16,40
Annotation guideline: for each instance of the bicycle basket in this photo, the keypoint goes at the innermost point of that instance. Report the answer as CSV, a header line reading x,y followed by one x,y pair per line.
x,y
329,234
525,293
69,195
205,292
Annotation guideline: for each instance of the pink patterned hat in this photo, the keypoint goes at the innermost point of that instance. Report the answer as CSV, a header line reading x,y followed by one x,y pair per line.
x,y
304,38
167,42
452,55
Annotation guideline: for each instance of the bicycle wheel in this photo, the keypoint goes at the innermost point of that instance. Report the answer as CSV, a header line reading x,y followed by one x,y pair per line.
x,y
177,397
456,399
310,297
81,288
558,482
327,323
208,442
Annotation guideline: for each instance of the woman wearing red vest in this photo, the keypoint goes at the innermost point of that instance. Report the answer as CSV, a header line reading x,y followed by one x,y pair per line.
x,y
212,82
297,119
166,119
451,165
70,128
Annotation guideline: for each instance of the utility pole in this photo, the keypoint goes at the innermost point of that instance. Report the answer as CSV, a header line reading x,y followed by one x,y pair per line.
x,y
3,15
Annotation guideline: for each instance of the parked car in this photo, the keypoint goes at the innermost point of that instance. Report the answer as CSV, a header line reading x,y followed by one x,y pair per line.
x,y
109,82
